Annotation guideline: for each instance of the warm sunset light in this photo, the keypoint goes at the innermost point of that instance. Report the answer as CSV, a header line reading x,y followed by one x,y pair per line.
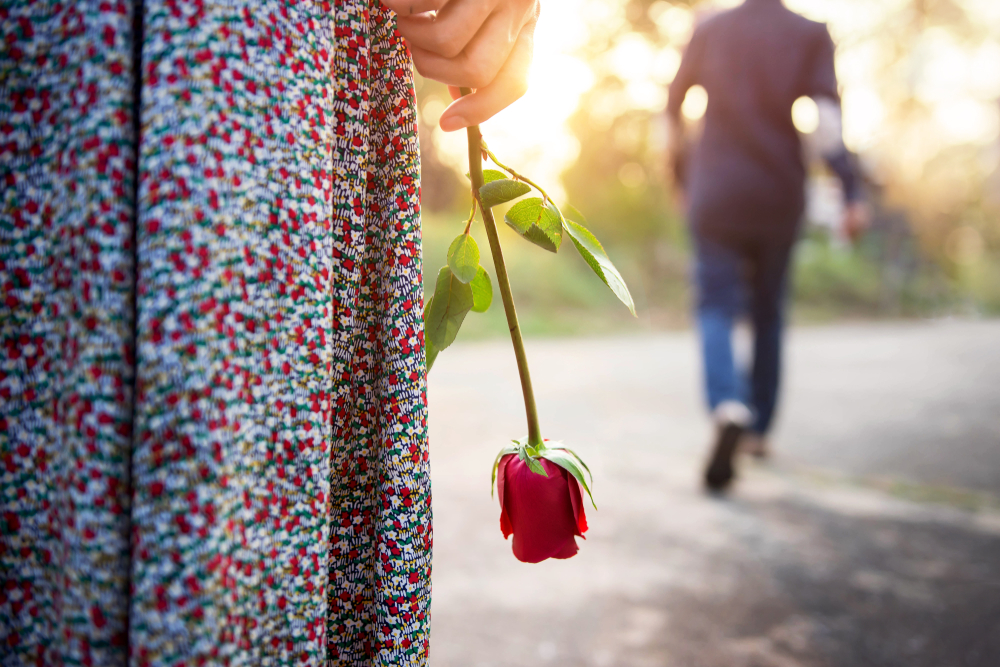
x,y
533,130
920,94
957,80
728,269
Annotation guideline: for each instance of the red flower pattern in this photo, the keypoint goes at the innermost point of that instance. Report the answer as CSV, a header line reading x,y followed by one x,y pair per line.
x,y
213,415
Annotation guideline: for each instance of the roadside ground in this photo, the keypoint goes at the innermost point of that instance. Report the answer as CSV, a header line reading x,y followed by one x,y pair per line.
x,y
871,538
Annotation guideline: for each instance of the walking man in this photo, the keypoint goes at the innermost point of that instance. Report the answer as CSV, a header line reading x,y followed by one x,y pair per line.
x,y
744,191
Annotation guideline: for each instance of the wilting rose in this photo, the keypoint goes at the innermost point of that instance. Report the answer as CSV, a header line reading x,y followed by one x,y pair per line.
x,y
543,513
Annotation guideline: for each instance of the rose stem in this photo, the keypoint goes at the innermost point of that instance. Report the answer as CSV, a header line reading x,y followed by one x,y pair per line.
x,y
476,173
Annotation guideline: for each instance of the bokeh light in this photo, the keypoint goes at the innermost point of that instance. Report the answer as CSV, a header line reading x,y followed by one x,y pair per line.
x,y
957,79
920,90
805,115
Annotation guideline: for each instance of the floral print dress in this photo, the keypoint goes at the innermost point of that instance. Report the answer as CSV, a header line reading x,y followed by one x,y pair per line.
x,y
212,403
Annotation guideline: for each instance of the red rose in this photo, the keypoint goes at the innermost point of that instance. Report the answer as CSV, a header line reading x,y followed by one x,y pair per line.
x,y
543,513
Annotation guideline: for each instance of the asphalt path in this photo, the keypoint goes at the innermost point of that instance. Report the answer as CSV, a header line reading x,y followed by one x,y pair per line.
x,y
872,537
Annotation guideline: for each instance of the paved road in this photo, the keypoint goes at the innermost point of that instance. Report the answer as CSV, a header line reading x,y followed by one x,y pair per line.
x,y
820,558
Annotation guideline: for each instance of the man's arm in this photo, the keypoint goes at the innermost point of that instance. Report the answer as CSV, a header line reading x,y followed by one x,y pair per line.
x,y
821,84
687,76
830,144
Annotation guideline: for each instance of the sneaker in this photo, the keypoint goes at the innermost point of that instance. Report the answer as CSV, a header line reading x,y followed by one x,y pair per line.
x,y
732,419
719,474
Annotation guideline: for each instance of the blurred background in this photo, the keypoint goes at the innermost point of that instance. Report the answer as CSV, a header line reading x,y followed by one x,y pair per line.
x,y
872,535
921,101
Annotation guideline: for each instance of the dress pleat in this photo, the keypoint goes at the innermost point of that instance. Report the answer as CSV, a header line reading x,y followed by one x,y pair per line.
x,y
238,245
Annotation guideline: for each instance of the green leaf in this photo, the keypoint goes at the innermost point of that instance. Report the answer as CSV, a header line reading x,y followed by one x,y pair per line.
x,y
482,291
537,222
463,257
489,175
502,190
572,212
431,352
496,464
450,304
571,464
593,253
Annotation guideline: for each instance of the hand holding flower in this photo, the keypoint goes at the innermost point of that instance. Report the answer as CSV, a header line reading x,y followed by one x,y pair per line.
x,y
480,44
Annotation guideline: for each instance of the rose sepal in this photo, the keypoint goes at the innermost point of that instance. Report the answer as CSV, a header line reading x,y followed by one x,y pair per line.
x,y
529,455
525,452
496,462
571,462
554,452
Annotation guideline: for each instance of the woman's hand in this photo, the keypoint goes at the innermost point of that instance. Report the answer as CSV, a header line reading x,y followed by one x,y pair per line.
x,y
481,44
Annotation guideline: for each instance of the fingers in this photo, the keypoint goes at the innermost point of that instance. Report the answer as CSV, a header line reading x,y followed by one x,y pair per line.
x,y
472,44
450,31
509,85
474,67
411,7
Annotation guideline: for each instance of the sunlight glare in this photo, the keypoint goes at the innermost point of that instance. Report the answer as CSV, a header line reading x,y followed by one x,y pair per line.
x,y
984,71
941,65
531,134
956,82
968,121
695,103
632,58
805,115
674,23
863,115
665,66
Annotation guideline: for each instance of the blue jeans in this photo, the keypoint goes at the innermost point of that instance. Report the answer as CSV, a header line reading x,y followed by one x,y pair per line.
x,y
737,277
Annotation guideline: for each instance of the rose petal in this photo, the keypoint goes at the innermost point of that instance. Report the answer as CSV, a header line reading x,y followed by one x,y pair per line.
x,y
540,511
576,498
568,550
505,526
501,475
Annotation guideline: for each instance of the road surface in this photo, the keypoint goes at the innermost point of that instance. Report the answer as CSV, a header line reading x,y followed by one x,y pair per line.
x,y
871,538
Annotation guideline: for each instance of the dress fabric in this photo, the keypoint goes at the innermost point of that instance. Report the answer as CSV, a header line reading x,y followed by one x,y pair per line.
x,y
212,385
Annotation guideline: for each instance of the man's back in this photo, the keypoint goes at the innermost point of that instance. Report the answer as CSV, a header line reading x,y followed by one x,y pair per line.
x,y
754,61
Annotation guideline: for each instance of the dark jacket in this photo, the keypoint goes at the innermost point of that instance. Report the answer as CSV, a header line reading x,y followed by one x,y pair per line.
x,y
754,61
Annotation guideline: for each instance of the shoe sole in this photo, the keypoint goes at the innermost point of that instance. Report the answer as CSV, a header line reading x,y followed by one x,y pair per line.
x,y
719,474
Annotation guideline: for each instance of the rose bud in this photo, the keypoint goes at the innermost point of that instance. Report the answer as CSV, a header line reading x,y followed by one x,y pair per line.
x,y
544,512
